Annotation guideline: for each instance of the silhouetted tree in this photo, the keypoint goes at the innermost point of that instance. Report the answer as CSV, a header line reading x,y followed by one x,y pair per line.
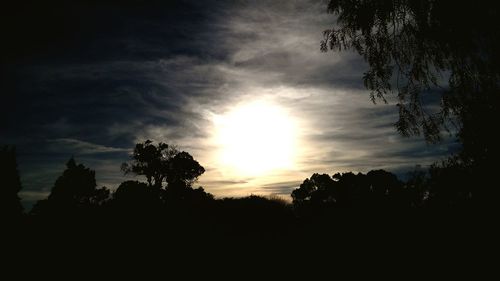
x,y
181,192
161,163
353,189
386,188
411,46
450,184
441,59
136,197
376,190
315,189
417,187
151,161
183,169
10,203
74,190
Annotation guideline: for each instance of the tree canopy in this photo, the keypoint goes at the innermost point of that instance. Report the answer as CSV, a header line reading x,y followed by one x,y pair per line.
x,y
378,189
439,57
151,161
162,162
75,189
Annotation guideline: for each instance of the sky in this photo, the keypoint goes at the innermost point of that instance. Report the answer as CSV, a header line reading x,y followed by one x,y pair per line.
x,y
89,79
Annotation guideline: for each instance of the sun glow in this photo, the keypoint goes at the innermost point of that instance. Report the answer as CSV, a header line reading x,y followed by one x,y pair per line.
x,y
256,138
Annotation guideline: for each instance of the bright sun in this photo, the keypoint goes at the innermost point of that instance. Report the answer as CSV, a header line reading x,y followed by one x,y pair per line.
x,y
256,138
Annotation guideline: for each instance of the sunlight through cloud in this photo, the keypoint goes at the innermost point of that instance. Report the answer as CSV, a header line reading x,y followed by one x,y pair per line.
x,y
255,138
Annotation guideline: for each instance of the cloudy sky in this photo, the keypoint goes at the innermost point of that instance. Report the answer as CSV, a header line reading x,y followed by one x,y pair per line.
x,y
91,80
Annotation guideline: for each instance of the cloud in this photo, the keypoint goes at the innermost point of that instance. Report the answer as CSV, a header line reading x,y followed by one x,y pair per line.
x,y
281,188
29,197
163,71
83,147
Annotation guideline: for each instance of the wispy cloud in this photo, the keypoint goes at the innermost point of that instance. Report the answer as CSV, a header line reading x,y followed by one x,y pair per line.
x,y
82,147
178,69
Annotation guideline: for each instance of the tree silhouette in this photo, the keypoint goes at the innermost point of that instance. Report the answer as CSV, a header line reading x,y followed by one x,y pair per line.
x,y
151,161
164,163
136,197
352,189
316,189
386,189
417,186
10,203
183,169
450,184
378,189
161,163
74,190
412,47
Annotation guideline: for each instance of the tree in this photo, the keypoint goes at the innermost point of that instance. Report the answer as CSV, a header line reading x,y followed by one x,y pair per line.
x,y
76,184
386,189
10,202
136,197
74,189
417,186
450,185
352,189
183,169
412,47
377,189
313,189
161,163
151,161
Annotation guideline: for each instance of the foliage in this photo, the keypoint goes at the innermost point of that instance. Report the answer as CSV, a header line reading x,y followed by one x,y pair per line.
x,y
378,189
159,163
183,169
151,160
75,189
164,163
136,197
451,184
319,198
412,47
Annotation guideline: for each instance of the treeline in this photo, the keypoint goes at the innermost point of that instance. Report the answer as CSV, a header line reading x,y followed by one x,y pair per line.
x,y
439,187
167,213
341,216
170,175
